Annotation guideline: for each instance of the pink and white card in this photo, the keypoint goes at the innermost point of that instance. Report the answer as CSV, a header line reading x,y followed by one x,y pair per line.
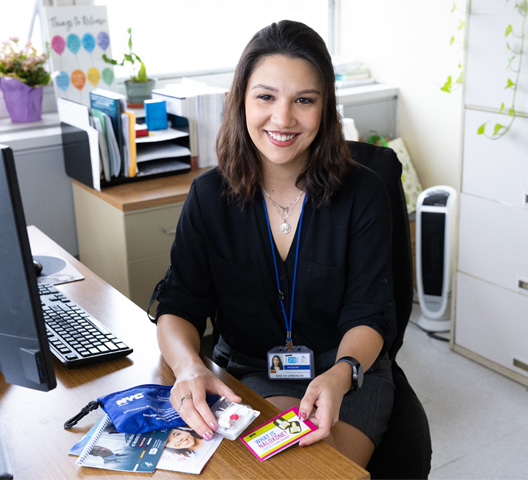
x,y
277,434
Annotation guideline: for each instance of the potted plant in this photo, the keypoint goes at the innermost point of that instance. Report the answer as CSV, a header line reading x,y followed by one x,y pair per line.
x,y
22,78
139,86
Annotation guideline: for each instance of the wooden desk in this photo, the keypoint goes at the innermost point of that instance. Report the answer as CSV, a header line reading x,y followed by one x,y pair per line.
x,y
32,422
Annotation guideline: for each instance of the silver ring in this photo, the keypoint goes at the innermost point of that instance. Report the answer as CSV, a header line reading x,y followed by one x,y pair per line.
x,y
187,397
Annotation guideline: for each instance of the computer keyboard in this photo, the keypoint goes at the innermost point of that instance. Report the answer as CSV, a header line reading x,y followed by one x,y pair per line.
x,y
75,337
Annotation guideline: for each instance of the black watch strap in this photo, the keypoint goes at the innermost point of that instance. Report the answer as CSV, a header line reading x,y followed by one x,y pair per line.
x,y
357,372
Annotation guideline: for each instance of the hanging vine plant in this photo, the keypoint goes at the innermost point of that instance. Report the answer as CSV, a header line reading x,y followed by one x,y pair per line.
x,y
450,85
514,65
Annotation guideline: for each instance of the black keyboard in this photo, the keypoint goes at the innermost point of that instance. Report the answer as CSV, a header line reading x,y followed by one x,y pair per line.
x,y
75,337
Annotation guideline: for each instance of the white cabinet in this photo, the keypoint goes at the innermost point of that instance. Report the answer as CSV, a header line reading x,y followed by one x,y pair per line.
x,y
492,326
491,307
486,69
496,169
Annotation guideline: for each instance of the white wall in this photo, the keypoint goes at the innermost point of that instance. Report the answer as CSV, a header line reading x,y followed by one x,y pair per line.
x,y
407,43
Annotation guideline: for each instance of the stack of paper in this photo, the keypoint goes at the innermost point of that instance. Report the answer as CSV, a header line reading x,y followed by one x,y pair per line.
x,y
203,107
349,73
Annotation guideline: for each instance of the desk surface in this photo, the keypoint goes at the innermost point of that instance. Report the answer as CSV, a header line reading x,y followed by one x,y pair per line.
x,y
32,421
154,192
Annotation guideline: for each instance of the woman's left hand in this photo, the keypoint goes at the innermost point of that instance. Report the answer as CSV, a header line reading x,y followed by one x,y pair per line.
x,y
325,392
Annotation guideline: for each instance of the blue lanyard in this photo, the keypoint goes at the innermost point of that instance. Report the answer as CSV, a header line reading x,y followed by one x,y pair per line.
x,y
281,294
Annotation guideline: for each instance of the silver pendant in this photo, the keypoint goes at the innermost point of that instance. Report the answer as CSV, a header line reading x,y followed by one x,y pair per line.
x,y
285,228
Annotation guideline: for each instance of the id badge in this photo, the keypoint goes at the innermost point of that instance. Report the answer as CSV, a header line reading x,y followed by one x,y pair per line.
x,y
294,364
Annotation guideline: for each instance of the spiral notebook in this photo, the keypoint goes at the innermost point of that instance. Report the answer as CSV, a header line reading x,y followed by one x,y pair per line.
x,y
104,447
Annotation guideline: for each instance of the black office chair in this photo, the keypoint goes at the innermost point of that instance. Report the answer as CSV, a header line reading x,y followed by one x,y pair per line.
x,y
405,451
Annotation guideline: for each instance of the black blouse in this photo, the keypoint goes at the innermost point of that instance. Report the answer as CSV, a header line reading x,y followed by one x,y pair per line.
x,y
222,267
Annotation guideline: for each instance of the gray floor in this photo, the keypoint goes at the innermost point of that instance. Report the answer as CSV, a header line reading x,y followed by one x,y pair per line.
x,y
478,418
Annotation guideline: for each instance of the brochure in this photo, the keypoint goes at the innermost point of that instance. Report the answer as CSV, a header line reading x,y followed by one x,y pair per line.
x,y
277,434
185,451
104,447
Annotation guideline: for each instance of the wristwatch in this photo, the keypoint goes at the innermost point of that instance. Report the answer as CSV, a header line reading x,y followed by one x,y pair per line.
x,y
357,372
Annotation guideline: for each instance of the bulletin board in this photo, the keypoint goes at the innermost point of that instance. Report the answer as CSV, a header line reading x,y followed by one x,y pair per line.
x,y
78,36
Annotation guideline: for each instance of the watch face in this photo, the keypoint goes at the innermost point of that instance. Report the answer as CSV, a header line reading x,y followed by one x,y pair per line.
x,y
358,374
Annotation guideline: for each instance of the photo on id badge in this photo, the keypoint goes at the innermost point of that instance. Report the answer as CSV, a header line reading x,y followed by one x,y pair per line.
x,y
290,364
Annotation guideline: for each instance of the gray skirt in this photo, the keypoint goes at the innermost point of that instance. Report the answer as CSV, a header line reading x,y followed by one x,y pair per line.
x,y
368,409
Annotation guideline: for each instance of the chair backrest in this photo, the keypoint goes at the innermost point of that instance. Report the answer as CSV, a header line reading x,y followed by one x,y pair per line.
x,y
385,163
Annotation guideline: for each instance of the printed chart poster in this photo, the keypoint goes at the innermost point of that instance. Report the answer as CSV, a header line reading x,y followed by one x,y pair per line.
x,y
78,38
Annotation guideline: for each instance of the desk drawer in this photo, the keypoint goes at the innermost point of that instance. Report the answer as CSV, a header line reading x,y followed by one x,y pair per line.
x,y
151,232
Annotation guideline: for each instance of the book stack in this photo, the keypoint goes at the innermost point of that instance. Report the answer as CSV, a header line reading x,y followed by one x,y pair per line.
x,y
118,151
201,108
351,73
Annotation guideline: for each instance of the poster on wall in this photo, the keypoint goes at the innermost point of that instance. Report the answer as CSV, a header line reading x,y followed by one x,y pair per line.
x,y
78,37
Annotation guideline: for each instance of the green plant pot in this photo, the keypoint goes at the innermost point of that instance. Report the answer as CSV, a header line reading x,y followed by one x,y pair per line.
x,y
138,92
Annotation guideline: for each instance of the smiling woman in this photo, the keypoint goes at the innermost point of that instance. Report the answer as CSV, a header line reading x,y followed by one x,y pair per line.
x,y
183,441
283,109
283,164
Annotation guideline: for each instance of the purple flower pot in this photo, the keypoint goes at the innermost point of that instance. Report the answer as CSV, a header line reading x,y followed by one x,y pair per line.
x,y
23,103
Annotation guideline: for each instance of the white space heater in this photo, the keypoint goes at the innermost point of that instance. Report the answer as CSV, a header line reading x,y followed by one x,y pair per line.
x,y
435,238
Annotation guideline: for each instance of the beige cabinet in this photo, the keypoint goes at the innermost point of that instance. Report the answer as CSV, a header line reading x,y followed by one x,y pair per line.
x,y
125,232
491,308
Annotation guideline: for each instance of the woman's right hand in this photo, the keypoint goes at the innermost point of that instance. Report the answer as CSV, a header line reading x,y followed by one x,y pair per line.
x,y
188,397
179,343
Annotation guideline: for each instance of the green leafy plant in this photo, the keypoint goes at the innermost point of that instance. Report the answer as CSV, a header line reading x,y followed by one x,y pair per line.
x,y
137,70
24,63
453,84
514,65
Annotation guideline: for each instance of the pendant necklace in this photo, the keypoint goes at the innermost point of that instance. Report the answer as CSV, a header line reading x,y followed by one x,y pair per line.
x,y
284,212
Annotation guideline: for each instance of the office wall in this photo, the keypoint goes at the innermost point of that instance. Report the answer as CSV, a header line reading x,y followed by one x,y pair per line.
x,y
407,43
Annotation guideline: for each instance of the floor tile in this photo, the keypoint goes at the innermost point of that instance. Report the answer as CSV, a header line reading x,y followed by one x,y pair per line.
x,y
504,458
478,418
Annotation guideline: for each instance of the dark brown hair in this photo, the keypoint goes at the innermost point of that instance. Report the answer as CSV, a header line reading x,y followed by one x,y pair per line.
x,y
238,158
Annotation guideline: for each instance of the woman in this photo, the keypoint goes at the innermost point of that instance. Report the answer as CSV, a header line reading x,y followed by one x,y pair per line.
x,y
287,246
182,442
276,363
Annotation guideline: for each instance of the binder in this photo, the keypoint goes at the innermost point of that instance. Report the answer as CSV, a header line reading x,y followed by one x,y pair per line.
x,y
131,140
113,105
103,149
114,153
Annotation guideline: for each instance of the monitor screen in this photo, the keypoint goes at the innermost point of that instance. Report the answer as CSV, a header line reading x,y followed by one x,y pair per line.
x,y
25,357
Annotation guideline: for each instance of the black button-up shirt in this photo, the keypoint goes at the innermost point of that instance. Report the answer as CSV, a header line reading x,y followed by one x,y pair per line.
x,y
222,267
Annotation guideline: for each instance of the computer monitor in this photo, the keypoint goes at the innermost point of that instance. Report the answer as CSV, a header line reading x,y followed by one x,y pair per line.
x,y
25,357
